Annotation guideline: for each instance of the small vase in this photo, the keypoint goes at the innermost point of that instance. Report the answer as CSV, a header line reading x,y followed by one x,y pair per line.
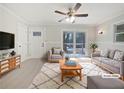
x,y
93,50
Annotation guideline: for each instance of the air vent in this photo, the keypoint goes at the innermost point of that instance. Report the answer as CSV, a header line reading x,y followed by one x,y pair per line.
x,y
36,33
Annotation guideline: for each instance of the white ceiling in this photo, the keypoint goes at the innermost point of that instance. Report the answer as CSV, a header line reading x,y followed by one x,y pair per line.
x,y
43,13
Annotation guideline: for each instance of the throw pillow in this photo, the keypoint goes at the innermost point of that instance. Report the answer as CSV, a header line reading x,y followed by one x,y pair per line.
x,y
119,55
111,54
57,51
52,50
104,53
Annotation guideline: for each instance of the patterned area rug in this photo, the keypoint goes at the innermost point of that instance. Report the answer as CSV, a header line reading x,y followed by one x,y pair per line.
x,y
50,78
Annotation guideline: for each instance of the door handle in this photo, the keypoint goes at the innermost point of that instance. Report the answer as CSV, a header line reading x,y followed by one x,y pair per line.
x,y
42,44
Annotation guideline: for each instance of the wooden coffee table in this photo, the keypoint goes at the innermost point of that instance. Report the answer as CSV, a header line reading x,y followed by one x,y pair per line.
x,y
70,70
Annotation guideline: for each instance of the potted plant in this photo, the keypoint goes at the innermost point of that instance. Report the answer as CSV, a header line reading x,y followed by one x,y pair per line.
x,y
93,46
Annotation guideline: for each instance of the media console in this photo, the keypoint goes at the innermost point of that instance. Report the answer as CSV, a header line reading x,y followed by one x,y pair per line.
x,y
9,64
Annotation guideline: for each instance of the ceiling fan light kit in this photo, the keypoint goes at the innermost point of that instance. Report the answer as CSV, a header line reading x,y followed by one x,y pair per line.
x,y
71,15
70,19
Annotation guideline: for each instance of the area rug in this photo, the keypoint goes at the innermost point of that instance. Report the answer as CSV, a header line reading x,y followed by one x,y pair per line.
x,y
50,78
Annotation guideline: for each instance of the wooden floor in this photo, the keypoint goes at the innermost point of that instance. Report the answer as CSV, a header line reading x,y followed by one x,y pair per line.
x,y
21,78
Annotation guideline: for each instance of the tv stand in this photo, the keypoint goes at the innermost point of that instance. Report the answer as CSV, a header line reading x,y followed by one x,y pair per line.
x,y
9,64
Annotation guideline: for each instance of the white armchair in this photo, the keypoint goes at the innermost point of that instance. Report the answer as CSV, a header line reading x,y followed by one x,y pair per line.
x,y
55,54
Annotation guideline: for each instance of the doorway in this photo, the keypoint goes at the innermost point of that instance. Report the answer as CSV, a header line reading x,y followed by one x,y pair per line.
x,y
22,40
36,42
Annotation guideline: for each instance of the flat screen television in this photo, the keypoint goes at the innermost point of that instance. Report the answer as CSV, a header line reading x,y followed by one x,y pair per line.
x,y
7,40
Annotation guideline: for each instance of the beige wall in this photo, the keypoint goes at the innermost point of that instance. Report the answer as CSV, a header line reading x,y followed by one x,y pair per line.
x,y
54,34
106,40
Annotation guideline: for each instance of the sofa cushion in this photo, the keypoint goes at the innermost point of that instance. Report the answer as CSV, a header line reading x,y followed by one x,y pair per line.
x,y
111,62
104,53
111,54
98,58
119,55
55,56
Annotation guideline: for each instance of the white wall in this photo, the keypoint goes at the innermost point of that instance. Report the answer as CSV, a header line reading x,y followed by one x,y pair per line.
x,y
106,40
1,19
54,34
8,23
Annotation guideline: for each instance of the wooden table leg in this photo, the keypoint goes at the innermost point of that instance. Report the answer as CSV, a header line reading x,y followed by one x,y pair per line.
x,y
122,78
80,74
61,75
19,66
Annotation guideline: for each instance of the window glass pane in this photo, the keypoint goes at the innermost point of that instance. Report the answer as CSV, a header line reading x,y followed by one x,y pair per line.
x,y
79,46
68,42
68,37
80,42
120,28
80,51
80,37
120,37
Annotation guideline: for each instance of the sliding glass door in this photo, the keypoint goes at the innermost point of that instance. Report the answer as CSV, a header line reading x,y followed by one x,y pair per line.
x,y
80,43
68,42
74,42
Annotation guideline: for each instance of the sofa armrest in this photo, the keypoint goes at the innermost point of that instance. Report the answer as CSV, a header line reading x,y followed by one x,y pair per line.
x,y
95,54
49,54
62,53
121,68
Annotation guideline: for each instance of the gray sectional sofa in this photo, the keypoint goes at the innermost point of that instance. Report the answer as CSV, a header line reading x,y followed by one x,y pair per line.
x,y
112,60
97,82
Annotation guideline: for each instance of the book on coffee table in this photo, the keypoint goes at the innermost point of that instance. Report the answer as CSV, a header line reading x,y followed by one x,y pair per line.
x,y
70,63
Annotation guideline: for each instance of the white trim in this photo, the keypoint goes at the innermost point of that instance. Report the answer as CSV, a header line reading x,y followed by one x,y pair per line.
x,y
11,12
64,24
116,43
52,42
119,22
110,18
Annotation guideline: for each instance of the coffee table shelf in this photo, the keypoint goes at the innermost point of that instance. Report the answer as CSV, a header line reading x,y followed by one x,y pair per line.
x,y
70,70
71,73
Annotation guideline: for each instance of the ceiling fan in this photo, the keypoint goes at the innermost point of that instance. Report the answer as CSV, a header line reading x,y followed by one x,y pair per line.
x,y
71,15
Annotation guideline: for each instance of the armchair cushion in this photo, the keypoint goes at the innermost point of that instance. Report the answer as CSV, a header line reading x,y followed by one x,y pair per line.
x,y
55,56
56,51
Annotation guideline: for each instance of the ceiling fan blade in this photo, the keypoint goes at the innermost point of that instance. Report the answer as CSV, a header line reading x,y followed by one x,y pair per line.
x,y
77,6
81,15
59,12
62,19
